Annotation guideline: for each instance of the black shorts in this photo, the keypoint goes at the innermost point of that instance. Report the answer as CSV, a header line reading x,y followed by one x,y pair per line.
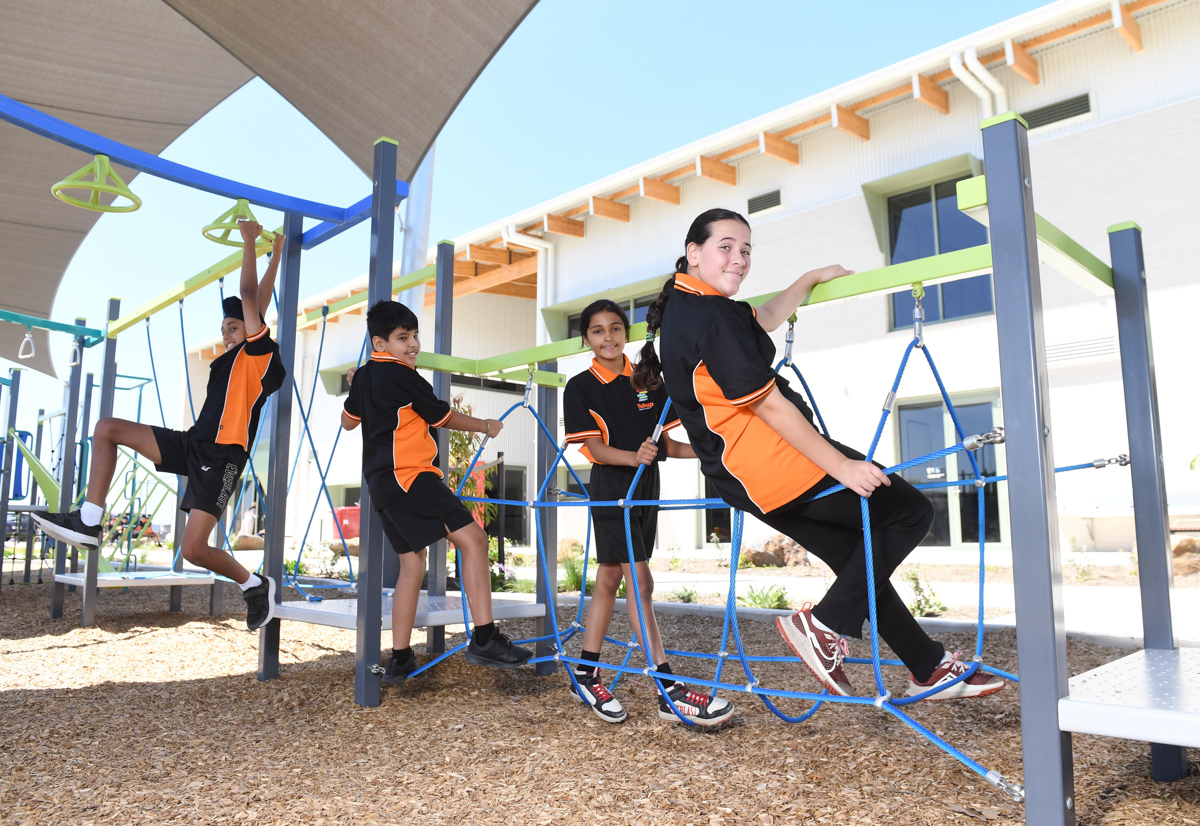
x,y
212,470
422,516
609,482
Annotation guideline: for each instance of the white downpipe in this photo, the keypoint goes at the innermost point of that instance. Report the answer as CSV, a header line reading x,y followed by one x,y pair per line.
x,y
971,57
545,277
415,250
971,82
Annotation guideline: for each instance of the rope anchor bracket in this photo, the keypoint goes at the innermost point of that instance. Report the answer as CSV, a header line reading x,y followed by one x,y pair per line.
x,y
918,292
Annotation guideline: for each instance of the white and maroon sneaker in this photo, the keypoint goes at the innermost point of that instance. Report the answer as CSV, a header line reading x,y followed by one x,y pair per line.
x,y
701,709
593,693
822,651
979,684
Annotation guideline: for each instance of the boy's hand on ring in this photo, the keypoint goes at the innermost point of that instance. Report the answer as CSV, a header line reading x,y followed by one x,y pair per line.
x,y
250,230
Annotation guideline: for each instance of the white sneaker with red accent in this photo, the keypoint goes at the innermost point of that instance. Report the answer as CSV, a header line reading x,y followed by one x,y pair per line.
x,y
979,684
701,709
822,651
598,698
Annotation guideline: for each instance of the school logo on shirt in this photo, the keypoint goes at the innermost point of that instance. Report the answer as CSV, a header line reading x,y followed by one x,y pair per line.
x,y
644,402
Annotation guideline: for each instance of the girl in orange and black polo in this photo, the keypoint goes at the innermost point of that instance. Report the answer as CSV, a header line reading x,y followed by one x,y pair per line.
x,y
757,445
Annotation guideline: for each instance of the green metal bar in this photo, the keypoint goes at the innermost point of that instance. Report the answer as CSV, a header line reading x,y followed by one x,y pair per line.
x,y
399,284
45,324
197,282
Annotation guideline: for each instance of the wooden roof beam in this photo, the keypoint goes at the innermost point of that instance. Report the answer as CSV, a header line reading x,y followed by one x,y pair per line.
x,y
777,147
929,93
494,277
716,171
562,225
1018,58
495,255
658,191
605,208
850,123
1126,26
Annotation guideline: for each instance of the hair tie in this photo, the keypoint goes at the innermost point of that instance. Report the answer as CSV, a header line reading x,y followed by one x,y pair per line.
x,y
650,336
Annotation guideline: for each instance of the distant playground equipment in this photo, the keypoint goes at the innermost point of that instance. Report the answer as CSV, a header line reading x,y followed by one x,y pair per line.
x,y
104,180
1051,706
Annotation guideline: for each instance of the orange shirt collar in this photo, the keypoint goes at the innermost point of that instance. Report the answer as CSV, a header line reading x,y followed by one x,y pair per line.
x,y
380,355
695,286
605,375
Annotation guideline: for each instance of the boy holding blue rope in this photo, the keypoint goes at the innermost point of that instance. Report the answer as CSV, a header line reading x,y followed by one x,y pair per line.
x,y
212,454
398,410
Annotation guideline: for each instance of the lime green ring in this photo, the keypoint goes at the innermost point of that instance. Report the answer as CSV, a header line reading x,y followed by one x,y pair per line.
x,y
218,231
102,171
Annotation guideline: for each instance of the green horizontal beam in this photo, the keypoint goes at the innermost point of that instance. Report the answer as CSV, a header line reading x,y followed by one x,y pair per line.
x,y
342,305
57,326
197,282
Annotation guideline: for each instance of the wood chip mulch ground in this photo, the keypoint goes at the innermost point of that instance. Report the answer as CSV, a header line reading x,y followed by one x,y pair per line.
x,y
153,717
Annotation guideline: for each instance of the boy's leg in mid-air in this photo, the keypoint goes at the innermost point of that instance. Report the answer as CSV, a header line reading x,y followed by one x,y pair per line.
x,y
82,527
488,646
258,592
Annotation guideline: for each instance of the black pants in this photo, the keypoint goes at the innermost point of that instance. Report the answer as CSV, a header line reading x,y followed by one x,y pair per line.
x,y
831,529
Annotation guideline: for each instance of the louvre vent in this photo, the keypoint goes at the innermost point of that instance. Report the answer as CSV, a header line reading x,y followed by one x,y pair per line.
x,y
1091,348
1064,109
762,202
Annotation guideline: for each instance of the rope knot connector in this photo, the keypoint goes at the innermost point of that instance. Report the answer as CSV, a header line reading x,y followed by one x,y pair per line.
x,y
882,698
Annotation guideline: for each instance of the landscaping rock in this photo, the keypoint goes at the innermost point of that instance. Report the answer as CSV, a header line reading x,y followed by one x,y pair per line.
x,y
1186,557
248,542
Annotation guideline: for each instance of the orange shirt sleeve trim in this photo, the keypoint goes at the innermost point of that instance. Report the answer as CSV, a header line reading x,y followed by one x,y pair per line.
x,y
582,436
753,397
350,415
262,331
669,426
444,419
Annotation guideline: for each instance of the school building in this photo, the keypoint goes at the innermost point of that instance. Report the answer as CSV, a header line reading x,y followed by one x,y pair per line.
x,y
864,175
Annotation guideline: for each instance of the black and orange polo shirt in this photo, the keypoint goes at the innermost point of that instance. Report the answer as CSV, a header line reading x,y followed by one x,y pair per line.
x,y
239,382
601,404
397,408
717,360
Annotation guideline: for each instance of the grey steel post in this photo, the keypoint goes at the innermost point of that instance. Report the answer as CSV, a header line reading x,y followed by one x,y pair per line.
x,y
175,592
108,389
500,512
547,581
88,612
443,329
1168,763
66,483
10,447
281,438
1032,506
369,616
37,451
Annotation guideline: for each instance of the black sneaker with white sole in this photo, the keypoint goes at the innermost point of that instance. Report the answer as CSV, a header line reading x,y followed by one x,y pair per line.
x,y
498,653
69,528
701,709
593,693
397,672
260,603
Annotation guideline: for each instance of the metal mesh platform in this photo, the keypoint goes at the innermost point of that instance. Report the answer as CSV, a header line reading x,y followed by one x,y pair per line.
x,y
431,611
136,580
1152,696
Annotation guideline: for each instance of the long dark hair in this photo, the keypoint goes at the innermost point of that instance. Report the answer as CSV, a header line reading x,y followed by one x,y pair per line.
x,y
647,375
600,305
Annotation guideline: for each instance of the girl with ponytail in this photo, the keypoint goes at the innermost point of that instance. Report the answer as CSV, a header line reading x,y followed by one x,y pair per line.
x,y
756,443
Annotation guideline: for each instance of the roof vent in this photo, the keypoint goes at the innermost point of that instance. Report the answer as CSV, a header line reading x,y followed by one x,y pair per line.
x,y
1055,112
760,203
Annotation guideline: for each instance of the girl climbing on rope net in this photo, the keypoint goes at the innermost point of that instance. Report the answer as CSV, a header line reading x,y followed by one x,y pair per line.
x,y
213,453
616,428
756,443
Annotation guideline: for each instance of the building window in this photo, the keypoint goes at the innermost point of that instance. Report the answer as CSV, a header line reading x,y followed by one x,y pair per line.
x,y
635,308
925,428
927,222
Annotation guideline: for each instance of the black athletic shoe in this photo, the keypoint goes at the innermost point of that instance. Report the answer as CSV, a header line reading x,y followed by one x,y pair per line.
x,y
260,603
69,528
593,693
701,708
397,672
498,653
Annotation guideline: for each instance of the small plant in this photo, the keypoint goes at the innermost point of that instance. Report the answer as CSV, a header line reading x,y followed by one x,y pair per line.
x,y
744,562
715,538
674,559
621,590
521,586
143,557
290,566
573,575
1085,569
768,596
925,602
686,593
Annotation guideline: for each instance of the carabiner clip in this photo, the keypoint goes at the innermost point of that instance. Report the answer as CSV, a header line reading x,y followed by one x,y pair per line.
x,y
918,292
528,387
791,337
21,354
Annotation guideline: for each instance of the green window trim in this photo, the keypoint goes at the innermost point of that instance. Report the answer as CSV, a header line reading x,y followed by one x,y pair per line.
x,y
876,193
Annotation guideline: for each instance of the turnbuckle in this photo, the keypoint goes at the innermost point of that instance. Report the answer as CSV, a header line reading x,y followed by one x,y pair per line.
x,y
995,436
918,292
528,387
790,339
1120,459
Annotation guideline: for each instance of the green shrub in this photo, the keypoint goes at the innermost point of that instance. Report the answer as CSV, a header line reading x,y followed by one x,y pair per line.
x,y
686,593
573,575
769,596
289,566
925,602
521,586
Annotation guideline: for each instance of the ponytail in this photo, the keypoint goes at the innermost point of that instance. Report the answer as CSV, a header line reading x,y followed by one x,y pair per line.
x,y
648,373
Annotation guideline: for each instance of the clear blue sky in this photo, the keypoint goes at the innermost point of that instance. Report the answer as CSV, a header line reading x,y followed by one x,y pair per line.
x,y
581,90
